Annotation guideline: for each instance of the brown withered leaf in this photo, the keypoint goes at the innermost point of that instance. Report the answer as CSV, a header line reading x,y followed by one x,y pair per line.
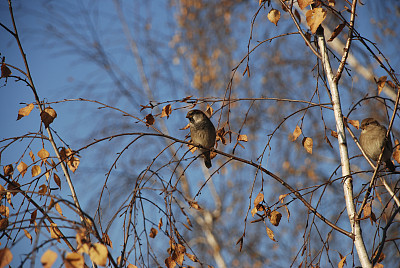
x,y
48,258
32,156
270,234
54,231
5,257
13,187
27,234
106,240
253,211
5,211
275,217
297,15
334,134
35,170
33,216
98,254
186,98
25,111
153,232
42,189
381,83
58,208
73,163
221,135
5,72
8,170
169,262
3,224
296,133
160,224
274,15
337,31
74,260
308,144
149,120
315,17
48,115
166,111
304,3
396,156
57,180
22,168
192,257
179,254
354,123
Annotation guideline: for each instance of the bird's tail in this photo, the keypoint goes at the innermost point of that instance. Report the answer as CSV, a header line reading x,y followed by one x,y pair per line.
x,y
207,159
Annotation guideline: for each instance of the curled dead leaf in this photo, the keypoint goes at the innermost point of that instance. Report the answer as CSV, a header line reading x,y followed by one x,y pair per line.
x,y
48,115
259,198
304,3
166,111
315,17
149,119
5,72
8,170
337,31
274,15
275,217
153,232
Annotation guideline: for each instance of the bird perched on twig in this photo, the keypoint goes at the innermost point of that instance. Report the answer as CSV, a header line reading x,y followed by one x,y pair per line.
x,y
202,132
373,138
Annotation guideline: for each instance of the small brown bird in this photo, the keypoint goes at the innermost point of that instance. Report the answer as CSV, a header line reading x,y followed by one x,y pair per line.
x,y
373,138
202,132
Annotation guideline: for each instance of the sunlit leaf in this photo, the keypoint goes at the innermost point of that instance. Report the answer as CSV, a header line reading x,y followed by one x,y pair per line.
x,y
55,232
48,258
5,211
342,262
381,83
98,254
43,154
8,170
42,189
5,257
22,168
296,133
48,115
275,217
259,198
27,234
354,123
242,137
315,17
166,111
270,234
25,111
304,3
274,15
337,31
308,144
74,260
35,170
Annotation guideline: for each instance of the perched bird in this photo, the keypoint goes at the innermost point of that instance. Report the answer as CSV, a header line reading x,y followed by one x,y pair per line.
x,y
202,132
373,138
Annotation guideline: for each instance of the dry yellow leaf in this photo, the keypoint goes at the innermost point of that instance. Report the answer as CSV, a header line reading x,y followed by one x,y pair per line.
x,y
5,257
209,111
43,154
192,257
354,123
270,234
253,211
3,224
131,266
242,138
42,189
194,205
32,156
8,170
58,208
22,168
166,111
342,262
57,180
315,17
274,15
337,31
25,111
98,254
259,198
308,144
169,262
396,156
73,163
35,170
5,211
160,224
55,232
304,3
179,254
296,133
27,234
48,115
48,258
74,260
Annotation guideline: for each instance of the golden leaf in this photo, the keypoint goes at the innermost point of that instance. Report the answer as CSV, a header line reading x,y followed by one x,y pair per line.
x,y
73,163
33,216
274,15
259,198
149,119
5,211
308,144
334,134
160,224
5,257
253,211
342,262
106,240
35,170
270,234
179,254
315,17
275,217
396,156
32,156
192,257
48,115
296,133
209,111
242,138
304,3
166,111
331,3
58,208
131,265
55,232
43,154
74,260
48,258
22,168
153,232
25,111
194,205
98,254
354,123
27,234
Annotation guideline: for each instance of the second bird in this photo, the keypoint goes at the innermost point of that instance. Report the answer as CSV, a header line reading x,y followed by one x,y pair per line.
x,y
373,138
202,132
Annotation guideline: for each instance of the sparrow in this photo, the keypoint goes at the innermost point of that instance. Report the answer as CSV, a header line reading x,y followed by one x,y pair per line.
x,y
202,132
373,138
